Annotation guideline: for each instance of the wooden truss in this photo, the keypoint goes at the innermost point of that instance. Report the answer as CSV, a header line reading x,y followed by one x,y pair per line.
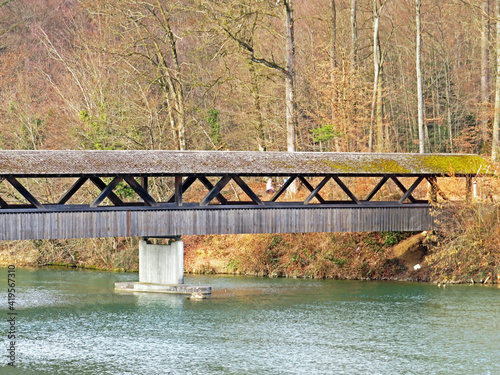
x,y
215,192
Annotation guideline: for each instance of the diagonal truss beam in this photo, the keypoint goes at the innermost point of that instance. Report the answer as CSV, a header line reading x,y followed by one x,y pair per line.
x,y
72,190
247,190
377,188
315,192
283,188
346,189
3,204
107,192
311,189
25,193
215,190
407,194
209,187
403,189
110,195
141,191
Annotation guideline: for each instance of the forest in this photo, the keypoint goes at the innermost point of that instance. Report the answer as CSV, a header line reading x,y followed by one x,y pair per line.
x,y
268,75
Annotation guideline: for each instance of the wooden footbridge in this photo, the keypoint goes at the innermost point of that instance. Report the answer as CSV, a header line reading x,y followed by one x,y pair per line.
x,y
47,195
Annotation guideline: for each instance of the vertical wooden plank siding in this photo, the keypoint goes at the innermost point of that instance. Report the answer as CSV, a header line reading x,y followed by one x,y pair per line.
x,y
123,223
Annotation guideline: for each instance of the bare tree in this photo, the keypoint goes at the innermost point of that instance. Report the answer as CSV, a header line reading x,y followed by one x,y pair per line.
x,y
420,97
239,22
354,34
376,113
291,113
485,68
496,121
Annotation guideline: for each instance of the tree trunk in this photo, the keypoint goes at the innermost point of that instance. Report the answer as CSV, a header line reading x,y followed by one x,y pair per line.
x,y
354,34
496,120
333,65
291,116
175,81
259,125
485,69
377,68
420,97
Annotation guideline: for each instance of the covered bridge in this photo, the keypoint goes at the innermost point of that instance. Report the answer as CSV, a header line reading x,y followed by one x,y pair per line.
x,y
46,195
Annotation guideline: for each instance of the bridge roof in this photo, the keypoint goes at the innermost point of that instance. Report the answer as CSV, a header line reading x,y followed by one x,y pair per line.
x,y
68,163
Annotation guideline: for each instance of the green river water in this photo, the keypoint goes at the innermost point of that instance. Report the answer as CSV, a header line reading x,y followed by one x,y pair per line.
x,y
73,322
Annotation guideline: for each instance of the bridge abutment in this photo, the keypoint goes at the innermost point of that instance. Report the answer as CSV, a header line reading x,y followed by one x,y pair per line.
x,y
161,270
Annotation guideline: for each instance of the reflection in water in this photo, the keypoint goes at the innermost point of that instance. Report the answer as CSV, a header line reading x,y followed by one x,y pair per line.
x,y
72,322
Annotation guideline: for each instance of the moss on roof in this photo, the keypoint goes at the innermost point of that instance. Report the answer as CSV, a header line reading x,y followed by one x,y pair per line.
x,y
76,163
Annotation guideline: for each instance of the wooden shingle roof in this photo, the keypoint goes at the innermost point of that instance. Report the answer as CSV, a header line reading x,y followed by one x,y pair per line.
x,y
244,163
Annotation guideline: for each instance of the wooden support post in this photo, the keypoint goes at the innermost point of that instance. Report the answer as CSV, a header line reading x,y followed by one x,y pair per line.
x,y
106,192
432,190
247,190
283,188
317,189
215,190
433,181
72,190
468,189
311,189
25,193
178,190
403,189
148,199
410,190
346,189
185,185
144,182
377,188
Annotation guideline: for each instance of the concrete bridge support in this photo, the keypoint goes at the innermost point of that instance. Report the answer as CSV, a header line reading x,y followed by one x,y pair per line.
x,y
161,270
161,264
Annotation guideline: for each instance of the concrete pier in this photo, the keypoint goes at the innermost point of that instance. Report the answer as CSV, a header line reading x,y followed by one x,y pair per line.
x,y
161,264
161,270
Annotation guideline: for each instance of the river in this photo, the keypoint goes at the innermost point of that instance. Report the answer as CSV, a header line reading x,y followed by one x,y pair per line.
x,y
73,322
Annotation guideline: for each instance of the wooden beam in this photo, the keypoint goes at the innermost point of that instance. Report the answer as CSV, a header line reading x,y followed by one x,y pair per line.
x,y
111,196
106,192
72,190
209,187
283,188
410,190
377,188
346,189
3,204
25,193
144,182
178,190
433,181
402,188
311,189
215,190
317,189
247,190
139,189
468,188
185,185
